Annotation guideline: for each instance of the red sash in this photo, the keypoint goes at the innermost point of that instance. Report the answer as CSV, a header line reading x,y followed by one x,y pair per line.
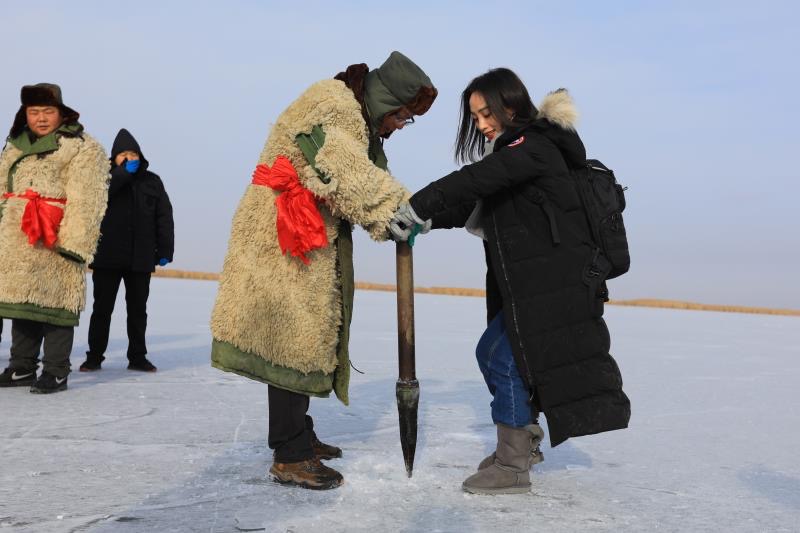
x,y
300,225
40,220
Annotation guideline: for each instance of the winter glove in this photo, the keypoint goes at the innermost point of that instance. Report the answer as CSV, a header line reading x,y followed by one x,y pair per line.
x,y
406,224
163,261
399,233
405,214
132,166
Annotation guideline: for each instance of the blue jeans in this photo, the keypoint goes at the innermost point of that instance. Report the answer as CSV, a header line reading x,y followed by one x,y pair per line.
x,y
511,398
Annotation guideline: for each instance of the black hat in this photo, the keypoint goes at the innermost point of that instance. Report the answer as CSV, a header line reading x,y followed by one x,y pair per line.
x,y
41,94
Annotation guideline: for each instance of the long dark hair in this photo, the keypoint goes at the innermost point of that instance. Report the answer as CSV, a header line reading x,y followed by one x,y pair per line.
x,y
502,89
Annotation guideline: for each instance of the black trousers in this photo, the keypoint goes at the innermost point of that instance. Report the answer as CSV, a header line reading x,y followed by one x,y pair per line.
x,y
290,428
27,337
137,289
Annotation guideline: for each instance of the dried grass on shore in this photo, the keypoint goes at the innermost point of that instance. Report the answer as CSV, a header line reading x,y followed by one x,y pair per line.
x,y
456,291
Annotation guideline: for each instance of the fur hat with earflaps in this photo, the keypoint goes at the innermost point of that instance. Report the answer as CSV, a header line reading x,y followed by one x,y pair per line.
x,y
41,94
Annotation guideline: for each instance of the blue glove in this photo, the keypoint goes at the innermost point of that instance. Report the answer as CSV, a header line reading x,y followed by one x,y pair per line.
x,y
163,261
132,167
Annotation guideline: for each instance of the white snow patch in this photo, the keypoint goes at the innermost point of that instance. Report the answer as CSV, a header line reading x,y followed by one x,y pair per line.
x,y
712,444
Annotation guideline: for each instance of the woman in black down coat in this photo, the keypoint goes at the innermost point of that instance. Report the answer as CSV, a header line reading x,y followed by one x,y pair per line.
x,y
546,347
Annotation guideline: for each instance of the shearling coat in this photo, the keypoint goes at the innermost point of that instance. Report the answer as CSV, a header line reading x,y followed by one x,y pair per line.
x,y
543,270
49,284
276,319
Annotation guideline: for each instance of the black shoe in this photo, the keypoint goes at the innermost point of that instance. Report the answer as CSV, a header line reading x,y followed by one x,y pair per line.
x,y
142,365
17,378
48,383
90,366
92,363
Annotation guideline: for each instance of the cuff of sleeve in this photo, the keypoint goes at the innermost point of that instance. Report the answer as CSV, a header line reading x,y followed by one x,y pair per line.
x,y
72,256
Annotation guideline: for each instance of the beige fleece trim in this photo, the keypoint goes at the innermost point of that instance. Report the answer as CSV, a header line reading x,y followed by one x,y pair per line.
x,y
274,306
77,171
559,108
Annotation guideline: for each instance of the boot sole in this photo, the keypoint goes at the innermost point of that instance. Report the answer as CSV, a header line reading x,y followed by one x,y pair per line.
x,y
498,491
49,391
292,483
17,384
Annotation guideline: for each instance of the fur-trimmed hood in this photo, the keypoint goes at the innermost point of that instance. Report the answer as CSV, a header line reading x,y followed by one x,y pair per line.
x,y
559,108
557,118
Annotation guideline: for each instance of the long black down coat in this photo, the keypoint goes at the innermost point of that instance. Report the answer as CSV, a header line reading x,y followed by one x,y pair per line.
x,y
138,228
543,270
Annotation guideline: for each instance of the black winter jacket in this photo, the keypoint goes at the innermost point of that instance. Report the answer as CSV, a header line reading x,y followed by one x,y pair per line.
x,y
542,271
137,229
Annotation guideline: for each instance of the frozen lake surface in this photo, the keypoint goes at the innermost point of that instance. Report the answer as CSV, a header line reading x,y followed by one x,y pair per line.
x,y
713,444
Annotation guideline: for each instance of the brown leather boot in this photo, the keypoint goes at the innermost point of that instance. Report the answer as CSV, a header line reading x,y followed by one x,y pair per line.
x,y
309,474
536,453
324,451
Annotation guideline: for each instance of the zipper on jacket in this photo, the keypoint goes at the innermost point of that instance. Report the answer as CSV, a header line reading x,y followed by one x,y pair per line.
x,y
513,304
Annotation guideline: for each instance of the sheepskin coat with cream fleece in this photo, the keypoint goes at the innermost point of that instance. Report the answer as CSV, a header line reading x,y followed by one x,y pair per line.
x,y
39,283
280,317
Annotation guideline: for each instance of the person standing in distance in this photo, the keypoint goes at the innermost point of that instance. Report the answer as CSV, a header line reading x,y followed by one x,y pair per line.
x,y
137,234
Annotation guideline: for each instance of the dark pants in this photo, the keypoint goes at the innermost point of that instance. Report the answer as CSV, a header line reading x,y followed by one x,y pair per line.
x,y
26,341
290,428
106,285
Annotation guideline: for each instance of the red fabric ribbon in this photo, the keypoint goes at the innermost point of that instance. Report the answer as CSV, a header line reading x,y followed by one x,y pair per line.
x,y
40,220
300,225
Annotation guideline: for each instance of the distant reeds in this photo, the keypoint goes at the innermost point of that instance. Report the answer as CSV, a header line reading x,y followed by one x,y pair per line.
x,y
457,291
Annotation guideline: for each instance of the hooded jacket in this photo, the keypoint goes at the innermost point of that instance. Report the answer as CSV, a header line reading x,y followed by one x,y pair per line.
x,y
276,319
68,169
137,229
541,267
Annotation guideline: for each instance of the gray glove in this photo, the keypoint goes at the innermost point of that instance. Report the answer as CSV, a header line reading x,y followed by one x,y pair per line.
x,y
406,223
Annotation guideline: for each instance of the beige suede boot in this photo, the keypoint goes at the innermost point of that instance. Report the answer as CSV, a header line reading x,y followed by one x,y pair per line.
x,y
509,473
536,453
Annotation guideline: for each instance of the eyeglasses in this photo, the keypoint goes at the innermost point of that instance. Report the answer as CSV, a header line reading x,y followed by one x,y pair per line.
x,y
404,121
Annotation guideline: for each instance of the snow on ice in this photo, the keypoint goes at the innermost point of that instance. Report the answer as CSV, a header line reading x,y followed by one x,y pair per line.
x,y
713,442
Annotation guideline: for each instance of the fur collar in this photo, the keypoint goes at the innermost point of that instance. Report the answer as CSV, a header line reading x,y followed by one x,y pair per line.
x,y
558,107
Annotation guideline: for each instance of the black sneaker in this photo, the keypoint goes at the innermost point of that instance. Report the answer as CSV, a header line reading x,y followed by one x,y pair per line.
x,y
90,366
17,378
92,363
142,365
48,383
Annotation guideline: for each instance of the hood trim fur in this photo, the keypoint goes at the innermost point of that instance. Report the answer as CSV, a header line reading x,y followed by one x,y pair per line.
x,y
559,108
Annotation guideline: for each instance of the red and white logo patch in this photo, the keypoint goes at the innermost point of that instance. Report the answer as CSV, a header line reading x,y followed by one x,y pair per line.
x,y
517,142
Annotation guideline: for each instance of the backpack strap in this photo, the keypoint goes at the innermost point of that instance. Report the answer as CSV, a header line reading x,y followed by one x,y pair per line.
x,y
538,197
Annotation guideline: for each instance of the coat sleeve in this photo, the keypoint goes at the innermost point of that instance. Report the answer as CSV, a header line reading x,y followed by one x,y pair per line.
x,y
507,168
86,185
119,178
165,227
359,191
455,217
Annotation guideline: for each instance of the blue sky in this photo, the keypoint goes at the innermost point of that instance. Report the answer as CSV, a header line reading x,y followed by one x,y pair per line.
x,y
694,104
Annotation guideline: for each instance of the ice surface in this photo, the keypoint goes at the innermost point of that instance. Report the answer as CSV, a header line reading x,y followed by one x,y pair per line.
x,y
713,443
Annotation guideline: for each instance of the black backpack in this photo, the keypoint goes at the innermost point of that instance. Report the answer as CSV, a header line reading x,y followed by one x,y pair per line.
x,y
604,201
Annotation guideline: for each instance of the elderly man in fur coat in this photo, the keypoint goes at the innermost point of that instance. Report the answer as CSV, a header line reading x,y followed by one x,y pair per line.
x,y
282,314
53,192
